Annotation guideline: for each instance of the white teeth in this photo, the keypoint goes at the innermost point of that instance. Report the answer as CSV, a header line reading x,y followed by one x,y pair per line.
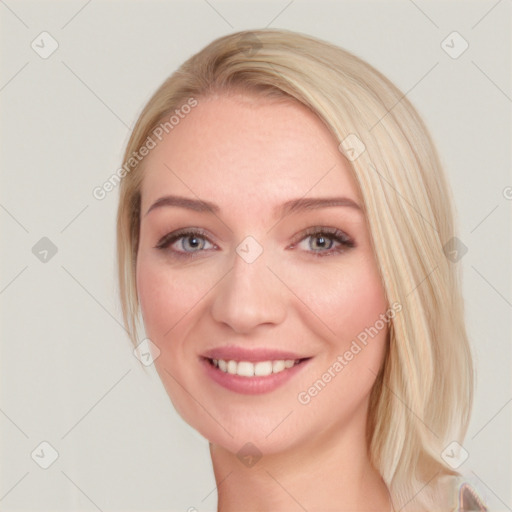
x,y
259,369
245,369
232,365
278,366
262,368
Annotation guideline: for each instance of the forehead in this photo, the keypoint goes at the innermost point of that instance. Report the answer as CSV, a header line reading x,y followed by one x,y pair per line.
x,y
240,148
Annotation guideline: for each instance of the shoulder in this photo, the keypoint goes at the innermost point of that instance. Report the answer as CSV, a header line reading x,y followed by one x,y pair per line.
x,y
469,499
469,494
462,492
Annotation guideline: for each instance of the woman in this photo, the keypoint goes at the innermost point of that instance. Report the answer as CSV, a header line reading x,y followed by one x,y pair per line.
x,y
282,225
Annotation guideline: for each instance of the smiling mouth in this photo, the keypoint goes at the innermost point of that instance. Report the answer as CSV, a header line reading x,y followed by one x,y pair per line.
x,y
256,369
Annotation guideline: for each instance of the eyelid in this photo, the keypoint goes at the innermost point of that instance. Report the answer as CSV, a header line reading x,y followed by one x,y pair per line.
x,y
171,237
332,231
335,234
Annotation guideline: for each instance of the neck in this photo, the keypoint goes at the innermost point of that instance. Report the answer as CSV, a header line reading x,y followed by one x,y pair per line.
x,y
330,471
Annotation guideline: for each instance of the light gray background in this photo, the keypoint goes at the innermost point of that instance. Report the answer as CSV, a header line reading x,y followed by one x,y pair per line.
x,y
68,374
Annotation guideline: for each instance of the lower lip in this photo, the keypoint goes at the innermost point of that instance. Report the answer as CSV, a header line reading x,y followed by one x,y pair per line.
x,y
251,385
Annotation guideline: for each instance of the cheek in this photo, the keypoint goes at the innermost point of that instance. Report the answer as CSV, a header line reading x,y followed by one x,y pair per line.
x,y
350,305
346,298
163,298
171,298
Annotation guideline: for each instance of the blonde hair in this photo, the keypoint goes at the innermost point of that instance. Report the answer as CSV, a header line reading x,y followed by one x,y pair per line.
x,y
422,398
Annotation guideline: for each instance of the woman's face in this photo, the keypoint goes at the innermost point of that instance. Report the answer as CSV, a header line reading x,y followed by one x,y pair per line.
x,y
271,275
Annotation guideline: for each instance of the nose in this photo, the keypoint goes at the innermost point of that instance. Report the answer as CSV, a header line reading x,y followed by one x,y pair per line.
x,y
249,295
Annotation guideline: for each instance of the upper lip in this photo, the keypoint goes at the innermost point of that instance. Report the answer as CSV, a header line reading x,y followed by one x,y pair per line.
x,y
251,354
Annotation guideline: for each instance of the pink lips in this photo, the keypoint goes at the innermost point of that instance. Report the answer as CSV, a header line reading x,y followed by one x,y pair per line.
x,y
251,385
252,355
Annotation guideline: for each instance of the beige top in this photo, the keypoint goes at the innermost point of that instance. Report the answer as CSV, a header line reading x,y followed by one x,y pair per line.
x,y
453,493
469,500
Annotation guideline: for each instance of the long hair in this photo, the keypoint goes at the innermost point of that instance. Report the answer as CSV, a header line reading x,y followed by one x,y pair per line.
x,y
422,398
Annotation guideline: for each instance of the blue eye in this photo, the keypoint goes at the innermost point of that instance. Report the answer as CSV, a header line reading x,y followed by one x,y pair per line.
x,y
191,241
324,241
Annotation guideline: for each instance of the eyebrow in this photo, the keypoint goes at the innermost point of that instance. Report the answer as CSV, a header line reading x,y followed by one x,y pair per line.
x,y
291,206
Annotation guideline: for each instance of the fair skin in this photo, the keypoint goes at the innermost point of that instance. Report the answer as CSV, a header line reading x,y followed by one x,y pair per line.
x,y
308,294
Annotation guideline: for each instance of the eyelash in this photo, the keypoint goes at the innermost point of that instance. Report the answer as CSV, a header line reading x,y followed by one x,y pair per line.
x,y
333,234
